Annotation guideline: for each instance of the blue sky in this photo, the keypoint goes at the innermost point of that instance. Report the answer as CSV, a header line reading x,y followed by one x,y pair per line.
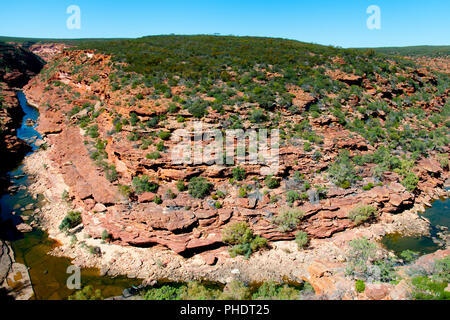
x,y
339,23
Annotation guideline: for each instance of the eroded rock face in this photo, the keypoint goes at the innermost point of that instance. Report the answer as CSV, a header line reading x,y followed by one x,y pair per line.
x,y
180,222
5,260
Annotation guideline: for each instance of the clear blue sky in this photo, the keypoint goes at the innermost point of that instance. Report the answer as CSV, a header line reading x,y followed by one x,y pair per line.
x,y
339,23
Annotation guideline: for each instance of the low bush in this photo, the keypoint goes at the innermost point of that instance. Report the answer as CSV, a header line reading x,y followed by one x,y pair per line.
x,y
199,187
410,181
238,173
301,238
87,293
360,286
271,182
271,290
288,219
164,135
292,196
241,238
71,220
153,155
166,292
181,186
142,184
362,213
342,171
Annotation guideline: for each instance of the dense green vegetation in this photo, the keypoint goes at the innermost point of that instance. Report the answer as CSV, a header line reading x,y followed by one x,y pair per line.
x,y
414,51
87,293
143,184
430,284
288,219
235,290
249,78
199,187
71,220
362,214
242,240
364,264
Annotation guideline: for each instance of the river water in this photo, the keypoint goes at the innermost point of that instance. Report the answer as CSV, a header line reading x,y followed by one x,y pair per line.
x,y
48,273
439,216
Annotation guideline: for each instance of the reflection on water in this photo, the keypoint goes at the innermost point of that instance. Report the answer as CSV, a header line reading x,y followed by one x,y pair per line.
x,y
48,273
438,215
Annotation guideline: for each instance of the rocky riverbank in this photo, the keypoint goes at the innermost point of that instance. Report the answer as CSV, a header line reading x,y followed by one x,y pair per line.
x,y
14,278
283,261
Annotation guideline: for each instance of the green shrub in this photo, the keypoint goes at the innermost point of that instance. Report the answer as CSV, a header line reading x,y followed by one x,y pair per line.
x,y
105,235
443,160
307,147
302,239
362,213
142,184
369,186
362,263
238,173
160,146
166,292
258,116
271,182
173,108
241,238
243,191
87,293
197,109
410,181
71,220
360,286
164,135
158,200
342,171
361,253
236,290
292,196
93,131
125,190
181,186
153,155
110,173
288,219
199,187
197,291
271,290
409,256
425,288
133,118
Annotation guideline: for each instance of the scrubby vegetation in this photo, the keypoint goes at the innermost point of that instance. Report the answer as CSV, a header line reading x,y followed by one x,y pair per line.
x,y
362,214
143,184
431,284
301,238
242,240
365,264
235,290
87,293
199,187
288,219
71,220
